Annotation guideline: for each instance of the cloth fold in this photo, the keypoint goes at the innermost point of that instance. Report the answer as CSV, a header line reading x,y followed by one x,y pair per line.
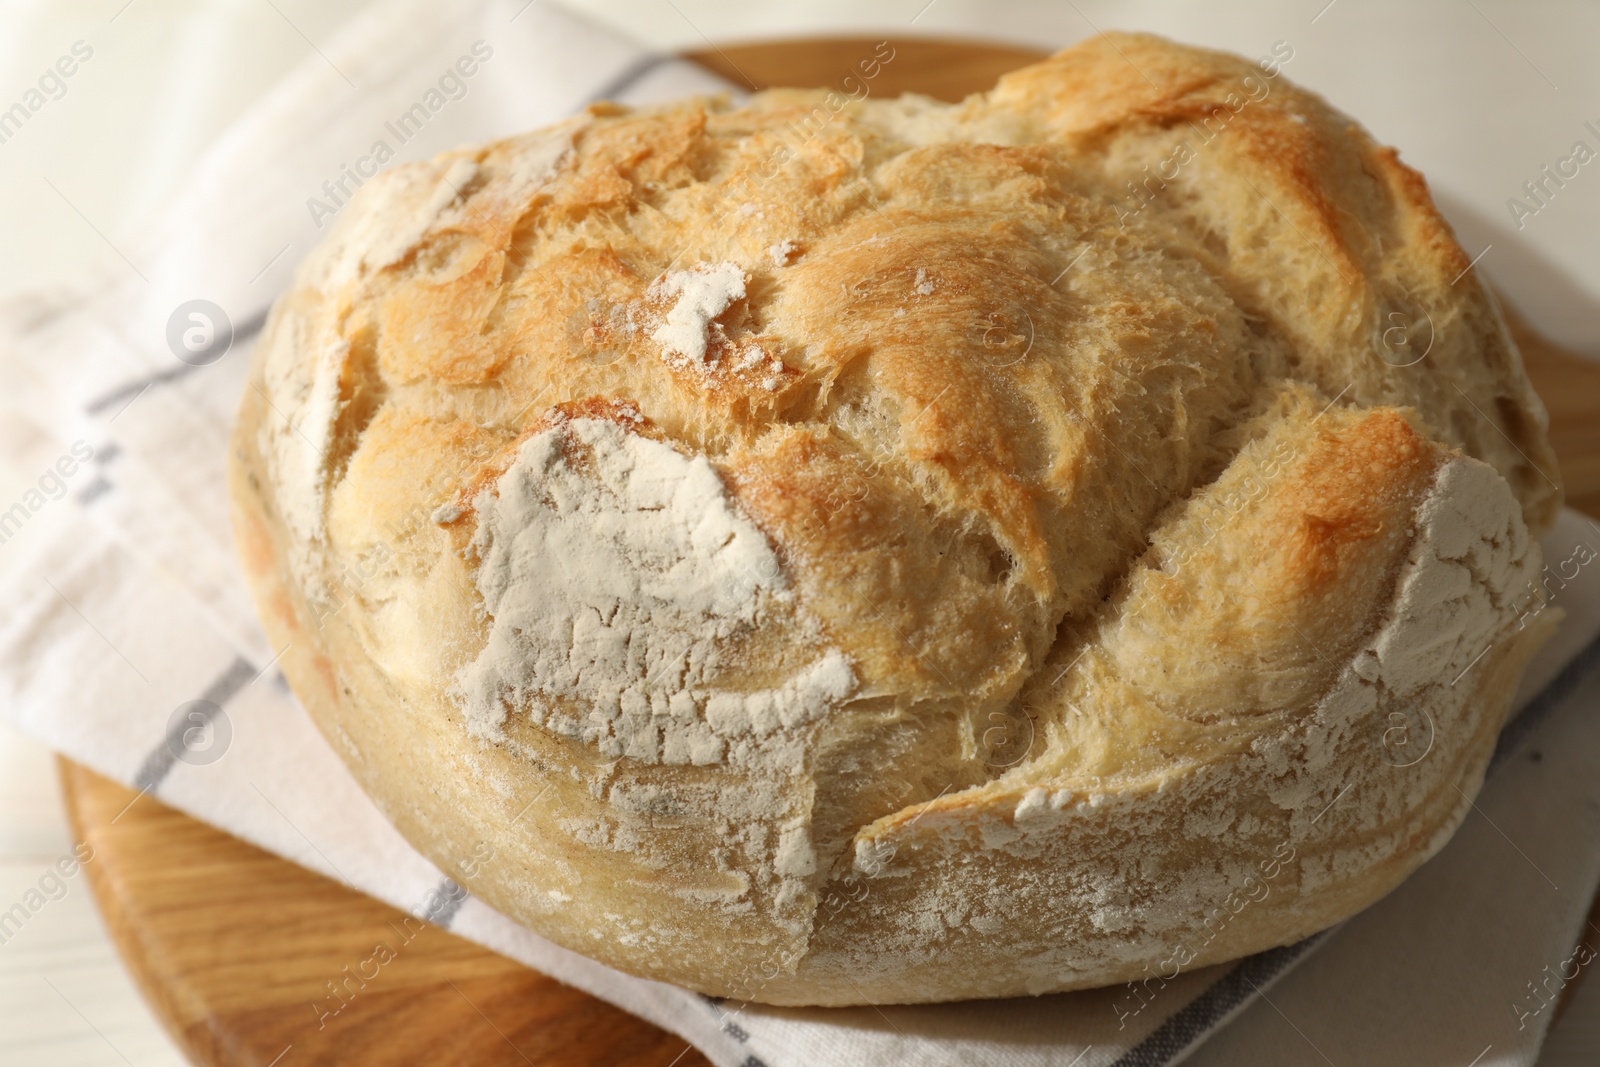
x,y
133,627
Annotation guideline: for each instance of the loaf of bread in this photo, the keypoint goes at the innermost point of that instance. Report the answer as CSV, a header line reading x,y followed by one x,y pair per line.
x,y
832,551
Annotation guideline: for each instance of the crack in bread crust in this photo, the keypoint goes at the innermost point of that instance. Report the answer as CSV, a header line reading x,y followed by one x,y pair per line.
x,y
1144,472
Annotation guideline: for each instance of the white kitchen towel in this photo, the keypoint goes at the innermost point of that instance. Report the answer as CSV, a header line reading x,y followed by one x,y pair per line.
x,y
135,620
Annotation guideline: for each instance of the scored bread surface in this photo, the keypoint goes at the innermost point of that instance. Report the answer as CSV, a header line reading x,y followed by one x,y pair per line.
x,y
834,551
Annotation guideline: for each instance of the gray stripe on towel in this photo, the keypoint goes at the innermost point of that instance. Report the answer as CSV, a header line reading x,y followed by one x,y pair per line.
x,y
159,762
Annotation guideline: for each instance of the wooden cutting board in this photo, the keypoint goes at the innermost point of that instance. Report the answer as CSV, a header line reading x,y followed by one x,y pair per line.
x,y
233,946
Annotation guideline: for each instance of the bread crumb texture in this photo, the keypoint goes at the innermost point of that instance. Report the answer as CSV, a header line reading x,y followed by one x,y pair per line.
x,y
907,551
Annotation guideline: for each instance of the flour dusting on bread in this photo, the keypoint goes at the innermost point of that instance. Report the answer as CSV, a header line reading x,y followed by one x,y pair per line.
x,y
615,571
699,295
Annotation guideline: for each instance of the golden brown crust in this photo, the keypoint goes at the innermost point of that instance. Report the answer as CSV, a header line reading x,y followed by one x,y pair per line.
x,y
969,430
1317,229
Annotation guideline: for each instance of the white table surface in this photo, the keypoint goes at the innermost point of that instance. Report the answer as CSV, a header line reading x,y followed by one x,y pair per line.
x,y
1477,93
